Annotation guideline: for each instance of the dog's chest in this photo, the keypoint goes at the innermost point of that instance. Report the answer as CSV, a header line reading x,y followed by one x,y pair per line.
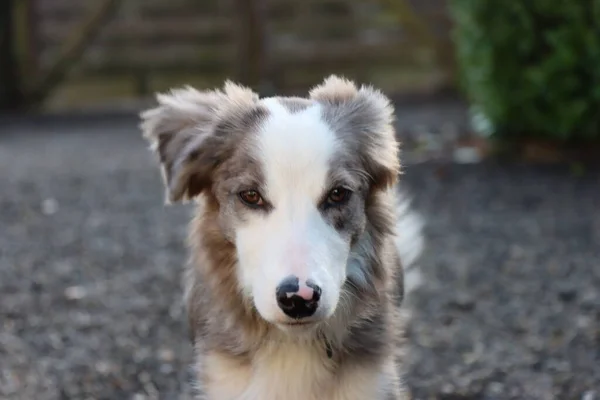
x,y
287,372
290,372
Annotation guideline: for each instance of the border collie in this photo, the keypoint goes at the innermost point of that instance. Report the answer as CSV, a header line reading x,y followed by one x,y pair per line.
x,y
298,241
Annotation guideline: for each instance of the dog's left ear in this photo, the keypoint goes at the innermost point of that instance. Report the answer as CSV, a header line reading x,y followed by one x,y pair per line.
x,y
366,117
184,131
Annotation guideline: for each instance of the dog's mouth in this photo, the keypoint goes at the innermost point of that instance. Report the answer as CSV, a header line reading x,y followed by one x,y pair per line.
x,y
298,323
297,326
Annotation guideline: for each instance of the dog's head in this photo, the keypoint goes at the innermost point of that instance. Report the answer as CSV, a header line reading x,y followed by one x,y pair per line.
x,y
290,177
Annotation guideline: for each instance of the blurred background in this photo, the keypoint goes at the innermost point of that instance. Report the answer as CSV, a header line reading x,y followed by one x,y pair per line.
x,y
69,53
498,114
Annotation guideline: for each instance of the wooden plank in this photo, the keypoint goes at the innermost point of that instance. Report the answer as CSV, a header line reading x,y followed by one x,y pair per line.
x,y
346,51
286,9
163,81
183,8
197,31
102,62
316,56
156,31
66,11
54,8
85,91
331,8
315,26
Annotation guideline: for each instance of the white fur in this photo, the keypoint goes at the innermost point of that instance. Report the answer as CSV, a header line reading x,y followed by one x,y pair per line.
x,y
293,239
409,241
308,377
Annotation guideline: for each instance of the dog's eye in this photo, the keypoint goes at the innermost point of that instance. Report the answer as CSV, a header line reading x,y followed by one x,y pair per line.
x,y
338,195
251,198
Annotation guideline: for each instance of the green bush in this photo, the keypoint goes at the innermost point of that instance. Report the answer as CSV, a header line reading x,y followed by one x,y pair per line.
x,y
531,67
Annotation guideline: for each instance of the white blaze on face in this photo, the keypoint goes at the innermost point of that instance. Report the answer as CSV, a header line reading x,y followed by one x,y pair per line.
x,y
295,150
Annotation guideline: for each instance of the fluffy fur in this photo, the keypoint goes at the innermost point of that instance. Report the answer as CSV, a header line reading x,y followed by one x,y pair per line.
x,y
295,155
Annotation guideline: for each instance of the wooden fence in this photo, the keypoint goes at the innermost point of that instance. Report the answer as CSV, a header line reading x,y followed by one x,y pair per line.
x,y
151,45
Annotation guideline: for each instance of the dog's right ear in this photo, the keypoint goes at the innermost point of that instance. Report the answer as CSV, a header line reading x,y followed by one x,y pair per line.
x,y
181,130
367,116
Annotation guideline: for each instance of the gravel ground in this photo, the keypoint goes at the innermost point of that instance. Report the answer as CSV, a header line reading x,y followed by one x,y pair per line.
x,y
90,264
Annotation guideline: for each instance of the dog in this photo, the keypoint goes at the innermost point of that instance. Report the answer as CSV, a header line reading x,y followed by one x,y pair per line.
x,y
298,240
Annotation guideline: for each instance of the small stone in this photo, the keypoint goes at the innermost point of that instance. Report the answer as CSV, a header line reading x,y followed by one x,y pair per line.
x,y
470,358
75,292
81,319
537,365
103,367
10,382
141,354
496,388
63,267
49,206
166,355
467,155
583,322
36,287
567,294
558,366
447,319
55,340
589,395
535,344
462,302
144,377
175,311
166,369
590,300
449,131
447,389
517,252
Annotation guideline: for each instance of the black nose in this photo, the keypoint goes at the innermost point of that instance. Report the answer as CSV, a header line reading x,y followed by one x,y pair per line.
x,y
297,303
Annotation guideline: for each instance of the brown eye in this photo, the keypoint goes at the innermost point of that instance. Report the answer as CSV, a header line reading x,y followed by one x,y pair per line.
x,y
338,196
251,198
